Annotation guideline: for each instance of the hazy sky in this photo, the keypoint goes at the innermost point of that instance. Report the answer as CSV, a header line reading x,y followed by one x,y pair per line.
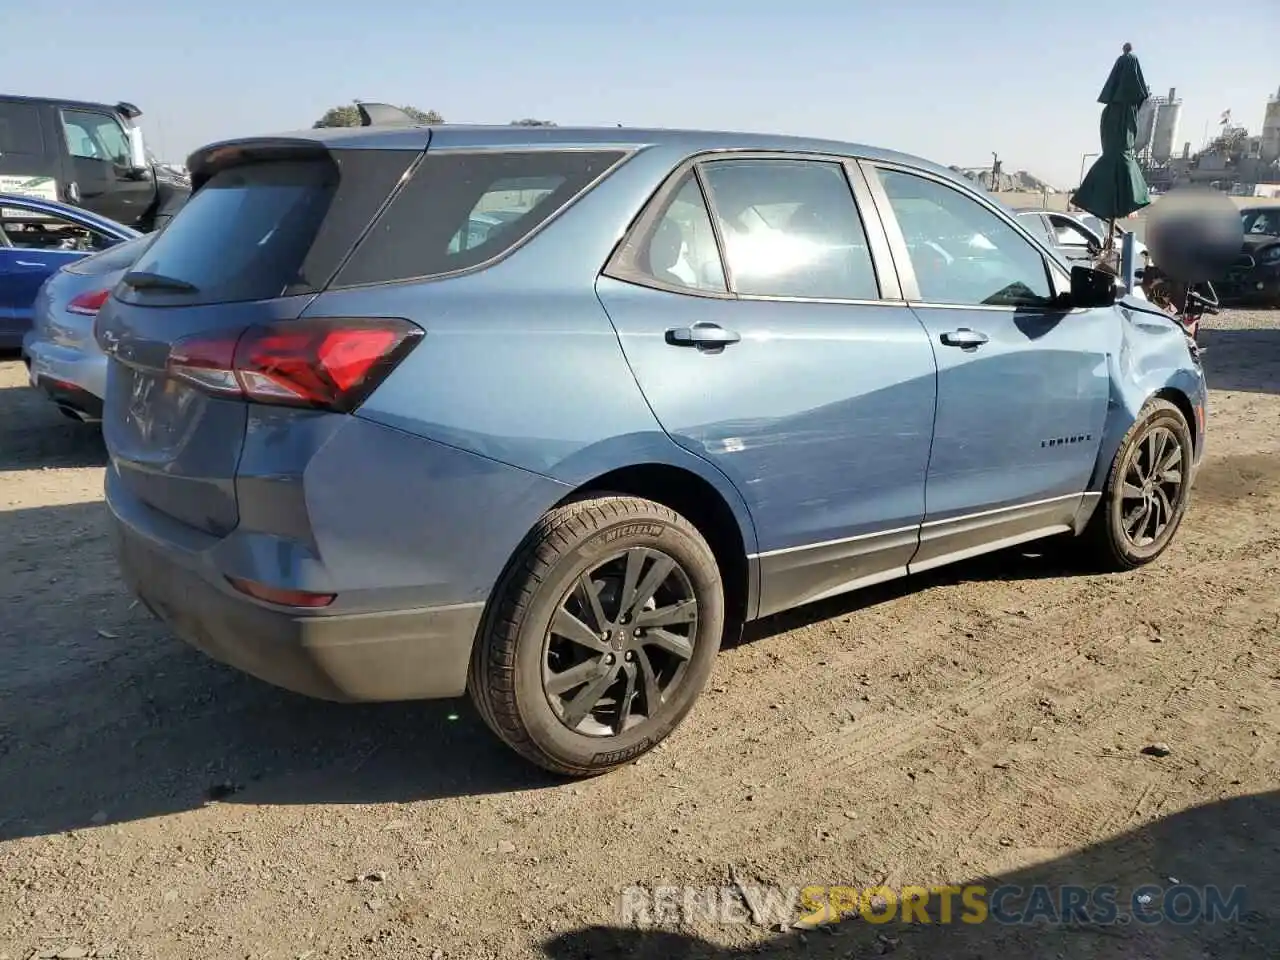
x,y
951,81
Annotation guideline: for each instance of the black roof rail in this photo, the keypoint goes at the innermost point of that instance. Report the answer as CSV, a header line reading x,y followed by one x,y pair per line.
x,y
129,110
383,114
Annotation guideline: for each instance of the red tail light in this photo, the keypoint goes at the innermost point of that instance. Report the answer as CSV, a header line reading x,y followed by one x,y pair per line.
x,y
284,598
89,303
326,364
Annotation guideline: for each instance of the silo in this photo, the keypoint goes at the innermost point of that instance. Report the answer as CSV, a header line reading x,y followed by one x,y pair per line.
x,y
1270,150
1146,123
1165,132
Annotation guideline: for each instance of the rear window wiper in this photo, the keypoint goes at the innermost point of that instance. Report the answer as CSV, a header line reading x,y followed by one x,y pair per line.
x,y
141,280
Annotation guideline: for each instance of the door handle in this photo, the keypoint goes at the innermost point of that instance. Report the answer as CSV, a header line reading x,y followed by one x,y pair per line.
x,y
28,263
703,335
964,337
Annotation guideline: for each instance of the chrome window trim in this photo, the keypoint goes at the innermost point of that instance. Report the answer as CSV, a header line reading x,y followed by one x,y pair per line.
x,y
877,244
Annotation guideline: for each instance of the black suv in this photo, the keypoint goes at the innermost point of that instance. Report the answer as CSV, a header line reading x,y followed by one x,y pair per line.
x,y
88,154
1255,279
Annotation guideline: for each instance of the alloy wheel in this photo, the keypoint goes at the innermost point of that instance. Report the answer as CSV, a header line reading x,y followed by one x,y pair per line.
x,y
619,642
1154,486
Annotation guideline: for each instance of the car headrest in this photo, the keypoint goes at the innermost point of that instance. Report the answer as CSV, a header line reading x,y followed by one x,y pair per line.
x,y
665,247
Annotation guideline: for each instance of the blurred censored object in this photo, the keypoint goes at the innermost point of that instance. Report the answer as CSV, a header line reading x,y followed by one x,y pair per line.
x,y
1194,234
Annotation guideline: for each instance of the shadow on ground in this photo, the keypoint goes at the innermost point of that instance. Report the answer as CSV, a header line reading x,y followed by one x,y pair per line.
x,y
1047,559
1227,844
1242,358
34,434
105,717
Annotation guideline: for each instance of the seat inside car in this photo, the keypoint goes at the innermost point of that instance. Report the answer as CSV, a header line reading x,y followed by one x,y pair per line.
x,y
843,261
664,252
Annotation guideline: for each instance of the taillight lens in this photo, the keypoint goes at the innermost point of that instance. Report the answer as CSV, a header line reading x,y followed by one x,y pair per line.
x,y
89,303
327,364
284,598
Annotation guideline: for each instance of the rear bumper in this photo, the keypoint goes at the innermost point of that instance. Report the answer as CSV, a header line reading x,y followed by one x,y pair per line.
x,y
398,655
83,373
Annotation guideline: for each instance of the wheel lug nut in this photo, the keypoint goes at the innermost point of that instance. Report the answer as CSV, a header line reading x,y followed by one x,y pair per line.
x,y
609,659
630,655
639,632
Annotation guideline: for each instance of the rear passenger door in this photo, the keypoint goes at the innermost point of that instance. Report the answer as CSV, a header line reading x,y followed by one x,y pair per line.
x,y
757,304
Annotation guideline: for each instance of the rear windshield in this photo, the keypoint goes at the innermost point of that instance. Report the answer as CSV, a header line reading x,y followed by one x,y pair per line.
x,y
268,229
461,210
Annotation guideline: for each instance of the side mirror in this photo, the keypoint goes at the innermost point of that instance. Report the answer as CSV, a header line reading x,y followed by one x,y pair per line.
x,y
1092,288
137,149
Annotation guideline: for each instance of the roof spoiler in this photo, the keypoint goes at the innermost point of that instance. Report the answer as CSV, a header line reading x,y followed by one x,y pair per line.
x,y
128,110
383,114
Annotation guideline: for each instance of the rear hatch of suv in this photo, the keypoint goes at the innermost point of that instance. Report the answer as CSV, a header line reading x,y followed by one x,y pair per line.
x,y
207,318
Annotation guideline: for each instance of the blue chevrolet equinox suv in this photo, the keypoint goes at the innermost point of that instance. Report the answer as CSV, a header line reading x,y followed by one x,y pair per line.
x,y
541,414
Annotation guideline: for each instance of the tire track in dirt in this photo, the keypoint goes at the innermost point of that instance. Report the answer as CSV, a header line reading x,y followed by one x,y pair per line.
x,y
1089,670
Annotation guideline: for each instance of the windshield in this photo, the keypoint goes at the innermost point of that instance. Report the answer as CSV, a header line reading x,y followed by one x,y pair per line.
x,y
1264,222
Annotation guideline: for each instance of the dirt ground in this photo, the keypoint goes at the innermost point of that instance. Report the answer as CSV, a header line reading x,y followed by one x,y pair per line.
x,y
985,721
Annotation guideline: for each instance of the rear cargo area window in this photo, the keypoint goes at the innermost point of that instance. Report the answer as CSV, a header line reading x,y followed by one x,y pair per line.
x,y
267,229
461,210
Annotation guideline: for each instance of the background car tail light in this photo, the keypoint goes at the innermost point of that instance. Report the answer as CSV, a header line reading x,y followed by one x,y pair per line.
x,y
329,364
89,303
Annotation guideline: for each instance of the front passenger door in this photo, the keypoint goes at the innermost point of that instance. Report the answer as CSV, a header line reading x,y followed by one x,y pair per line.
x,y
1023,385
107,183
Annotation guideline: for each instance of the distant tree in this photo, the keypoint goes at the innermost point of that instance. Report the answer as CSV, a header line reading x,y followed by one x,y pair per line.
x,y
1231,143
531,122
423,116
347,115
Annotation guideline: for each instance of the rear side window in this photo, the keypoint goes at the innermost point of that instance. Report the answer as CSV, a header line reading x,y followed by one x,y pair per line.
x,y
677,250
269,229
461,210
20,130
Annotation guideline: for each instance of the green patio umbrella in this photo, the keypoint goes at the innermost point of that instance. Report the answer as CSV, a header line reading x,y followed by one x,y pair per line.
x,y
1114,187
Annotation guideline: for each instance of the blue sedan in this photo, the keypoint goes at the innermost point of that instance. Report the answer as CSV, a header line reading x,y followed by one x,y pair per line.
x,y
37,239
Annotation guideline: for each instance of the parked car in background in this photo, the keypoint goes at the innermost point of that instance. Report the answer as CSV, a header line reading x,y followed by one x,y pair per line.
x,y
1255,277
360,459
37,238
91,155
62,356
1078,238
1260,221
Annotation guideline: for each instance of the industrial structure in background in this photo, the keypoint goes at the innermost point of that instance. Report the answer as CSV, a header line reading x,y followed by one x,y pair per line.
x,y
1233,161
1158,121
